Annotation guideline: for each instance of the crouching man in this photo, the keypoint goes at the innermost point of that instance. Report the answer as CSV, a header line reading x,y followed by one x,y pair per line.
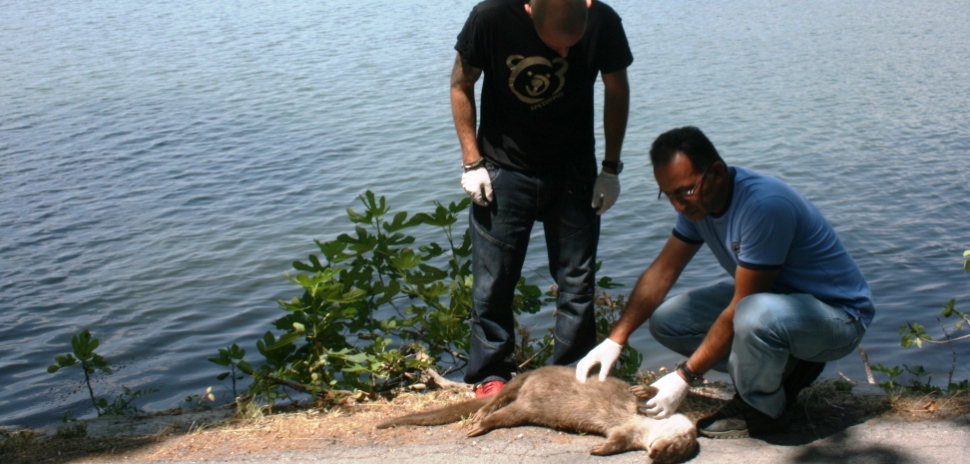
x,y
796,301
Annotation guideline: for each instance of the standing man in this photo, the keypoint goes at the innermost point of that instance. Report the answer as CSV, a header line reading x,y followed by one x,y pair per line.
x,y
797,300
532,159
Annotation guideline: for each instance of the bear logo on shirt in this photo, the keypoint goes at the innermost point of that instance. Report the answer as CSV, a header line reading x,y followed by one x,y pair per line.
x,y
536,79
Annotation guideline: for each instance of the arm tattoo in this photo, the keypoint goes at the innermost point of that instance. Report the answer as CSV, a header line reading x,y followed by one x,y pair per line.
x,y
463,73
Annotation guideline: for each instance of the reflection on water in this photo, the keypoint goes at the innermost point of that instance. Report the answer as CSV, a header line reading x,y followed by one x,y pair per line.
x,y
161,168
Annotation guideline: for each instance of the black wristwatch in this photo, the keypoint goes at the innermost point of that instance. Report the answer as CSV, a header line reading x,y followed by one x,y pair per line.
x,y
692,378
614,165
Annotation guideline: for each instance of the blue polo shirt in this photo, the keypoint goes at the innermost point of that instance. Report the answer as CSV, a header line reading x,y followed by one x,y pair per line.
x,y
767,225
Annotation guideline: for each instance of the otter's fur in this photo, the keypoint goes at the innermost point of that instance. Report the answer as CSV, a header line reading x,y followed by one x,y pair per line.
x,y
552,397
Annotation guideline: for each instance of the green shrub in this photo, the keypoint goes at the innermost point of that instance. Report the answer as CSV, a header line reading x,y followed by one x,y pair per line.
x,y
377,309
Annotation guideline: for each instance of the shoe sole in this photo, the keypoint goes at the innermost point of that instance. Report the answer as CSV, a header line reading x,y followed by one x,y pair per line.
x,y
729,434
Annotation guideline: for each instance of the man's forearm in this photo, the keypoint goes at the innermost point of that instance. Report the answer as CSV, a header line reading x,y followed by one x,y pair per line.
x,y
616,110
652,287
463,112
644,299
463,108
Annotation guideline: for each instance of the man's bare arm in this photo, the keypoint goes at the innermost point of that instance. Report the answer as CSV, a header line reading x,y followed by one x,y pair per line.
x,y
616,110
463,110
653,286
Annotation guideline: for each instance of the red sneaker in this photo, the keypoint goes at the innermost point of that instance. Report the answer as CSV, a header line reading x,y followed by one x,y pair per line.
x,y
488,388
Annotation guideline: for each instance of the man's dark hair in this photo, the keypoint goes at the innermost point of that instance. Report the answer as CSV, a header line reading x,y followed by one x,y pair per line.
x,y
688,140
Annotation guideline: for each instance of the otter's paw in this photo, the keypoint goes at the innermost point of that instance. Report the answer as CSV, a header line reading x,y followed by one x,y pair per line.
x,y
673,439
477,429
677,448
644,392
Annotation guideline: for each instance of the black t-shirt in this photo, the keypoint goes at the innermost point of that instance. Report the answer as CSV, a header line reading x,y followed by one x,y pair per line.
x,y
537,107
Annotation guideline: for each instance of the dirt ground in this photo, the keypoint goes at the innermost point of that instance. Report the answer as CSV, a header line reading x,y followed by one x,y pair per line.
x,y
822,410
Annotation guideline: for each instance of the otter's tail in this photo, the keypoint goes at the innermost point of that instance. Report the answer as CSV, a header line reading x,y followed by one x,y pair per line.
x,y
445,415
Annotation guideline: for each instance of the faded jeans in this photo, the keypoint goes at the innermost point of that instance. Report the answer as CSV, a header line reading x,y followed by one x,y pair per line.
x,y
500,236
771,331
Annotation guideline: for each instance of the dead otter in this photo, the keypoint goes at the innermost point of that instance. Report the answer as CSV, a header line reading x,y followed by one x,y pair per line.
x,y
552,397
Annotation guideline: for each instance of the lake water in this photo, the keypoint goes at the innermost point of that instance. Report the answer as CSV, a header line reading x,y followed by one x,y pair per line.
x,y
162,164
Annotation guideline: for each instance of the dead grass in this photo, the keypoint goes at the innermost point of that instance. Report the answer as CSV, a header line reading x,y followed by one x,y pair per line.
x,y
825,408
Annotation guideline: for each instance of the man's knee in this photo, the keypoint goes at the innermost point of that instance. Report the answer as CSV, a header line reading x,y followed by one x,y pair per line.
x,y
760,314
664,323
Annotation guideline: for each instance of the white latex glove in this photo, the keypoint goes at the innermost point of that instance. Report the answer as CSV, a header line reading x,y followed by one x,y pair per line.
x,y
605,354
605,191
672,391
478,185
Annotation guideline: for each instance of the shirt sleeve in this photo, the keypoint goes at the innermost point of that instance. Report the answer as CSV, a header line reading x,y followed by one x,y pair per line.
x,y
611,40
470,43
686,231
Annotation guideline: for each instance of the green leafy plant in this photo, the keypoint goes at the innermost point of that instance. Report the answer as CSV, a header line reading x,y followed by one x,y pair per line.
x,y
72,430
91,363
84,345
124,403
608,310
231,357
913,333
378,308
917,384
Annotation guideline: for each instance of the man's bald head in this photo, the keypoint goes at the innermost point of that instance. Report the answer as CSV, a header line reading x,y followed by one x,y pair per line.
x,y
566,17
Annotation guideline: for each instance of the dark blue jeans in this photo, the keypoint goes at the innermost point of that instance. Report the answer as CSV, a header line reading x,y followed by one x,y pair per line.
x,y
500,236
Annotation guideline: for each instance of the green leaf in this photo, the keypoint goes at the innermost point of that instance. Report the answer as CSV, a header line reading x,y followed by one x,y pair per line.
x,y
607,283
333,250
462,205
65,360
220,361
245,367
949,308
353,295
406,259
302,267
357,217
400,222
358,358
284,340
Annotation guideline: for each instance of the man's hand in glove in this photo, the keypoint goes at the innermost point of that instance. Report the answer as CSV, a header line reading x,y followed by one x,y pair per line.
x,y
605,354
478,185
605,192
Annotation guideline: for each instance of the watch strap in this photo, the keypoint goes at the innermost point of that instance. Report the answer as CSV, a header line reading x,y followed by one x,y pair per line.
x,y
614,165
692,378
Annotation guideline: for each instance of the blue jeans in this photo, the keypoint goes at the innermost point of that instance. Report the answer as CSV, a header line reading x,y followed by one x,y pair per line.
x,y
771,331
500,236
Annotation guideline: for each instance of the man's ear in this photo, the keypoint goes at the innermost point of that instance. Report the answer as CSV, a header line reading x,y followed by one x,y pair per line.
x,y
719,168
589,3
